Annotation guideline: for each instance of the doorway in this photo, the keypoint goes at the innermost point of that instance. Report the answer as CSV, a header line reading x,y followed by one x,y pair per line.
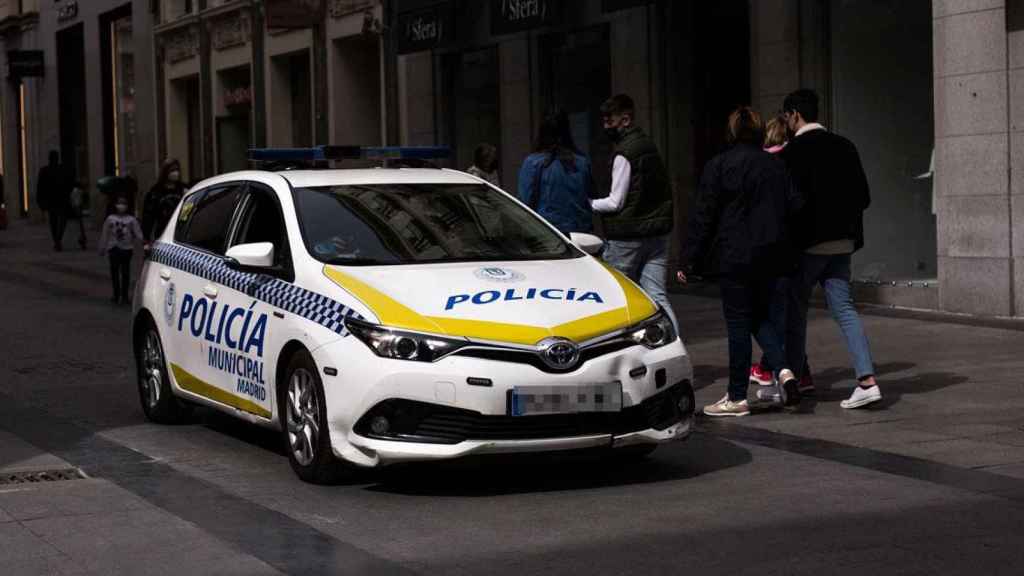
x,y
71,101
357,91
472,102
576,77
291,96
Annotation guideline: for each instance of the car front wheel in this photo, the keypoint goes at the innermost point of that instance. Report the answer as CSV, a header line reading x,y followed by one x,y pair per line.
x,y
304,423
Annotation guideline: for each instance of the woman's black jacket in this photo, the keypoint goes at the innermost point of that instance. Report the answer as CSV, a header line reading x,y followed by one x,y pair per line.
x,y
741,217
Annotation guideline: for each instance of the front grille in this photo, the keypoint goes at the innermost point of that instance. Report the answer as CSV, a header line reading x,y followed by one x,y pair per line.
x,y
533,358
412,421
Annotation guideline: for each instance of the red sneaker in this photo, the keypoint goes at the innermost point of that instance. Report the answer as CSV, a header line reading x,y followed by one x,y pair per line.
x,y
760,376
806,385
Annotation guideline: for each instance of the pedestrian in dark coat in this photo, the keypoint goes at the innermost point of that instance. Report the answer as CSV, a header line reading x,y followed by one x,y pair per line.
x,y
162,200
826,168
739,233
53,194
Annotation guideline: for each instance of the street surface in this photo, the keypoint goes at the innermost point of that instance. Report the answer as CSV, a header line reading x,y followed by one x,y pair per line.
x,y
929,482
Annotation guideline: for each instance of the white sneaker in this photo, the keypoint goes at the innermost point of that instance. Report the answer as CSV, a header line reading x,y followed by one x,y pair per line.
x,y
862,397
726,407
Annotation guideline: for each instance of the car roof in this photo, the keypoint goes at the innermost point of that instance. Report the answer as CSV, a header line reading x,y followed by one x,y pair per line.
x,y
314,178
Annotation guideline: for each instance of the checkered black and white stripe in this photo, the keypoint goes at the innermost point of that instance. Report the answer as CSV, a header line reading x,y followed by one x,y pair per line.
x,y
314,307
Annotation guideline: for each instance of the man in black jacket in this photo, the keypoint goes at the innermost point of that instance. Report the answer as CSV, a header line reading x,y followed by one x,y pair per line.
x,y
53,194
827,172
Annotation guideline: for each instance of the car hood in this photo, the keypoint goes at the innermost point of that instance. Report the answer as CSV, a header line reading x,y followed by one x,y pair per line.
x,y
519,302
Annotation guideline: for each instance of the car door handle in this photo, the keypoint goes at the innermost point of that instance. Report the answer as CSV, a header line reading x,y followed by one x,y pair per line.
x,y
210,291
165,274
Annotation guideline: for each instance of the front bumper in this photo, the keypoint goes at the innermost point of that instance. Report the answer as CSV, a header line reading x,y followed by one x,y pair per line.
x,y
436,414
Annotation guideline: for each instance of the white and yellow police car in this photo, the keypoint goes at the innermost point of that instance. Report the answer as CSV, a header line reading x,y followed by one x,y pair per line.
x,y
394,314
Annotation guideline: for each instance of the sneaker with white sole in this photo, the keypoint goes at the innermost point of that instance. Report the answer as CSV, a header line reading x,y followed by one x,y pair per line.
x,y
726,407
862,397
789,388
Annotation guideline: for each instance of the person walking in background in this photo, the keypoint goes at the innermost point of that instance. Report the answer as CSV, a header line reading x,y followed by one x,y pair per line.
x,y
739,232
53,194
121,232
78,207
638,213
775,140
162,200
827,171
485,164
556,181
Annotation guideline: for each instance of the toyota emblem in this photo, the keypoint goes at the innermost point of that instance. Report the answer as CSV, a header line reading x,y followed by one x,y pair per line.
x,y
559,353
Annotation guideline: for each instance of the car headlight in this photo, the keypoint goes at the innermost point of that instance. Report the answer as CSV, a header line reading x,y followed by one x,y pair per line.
x,y
654,332
401,345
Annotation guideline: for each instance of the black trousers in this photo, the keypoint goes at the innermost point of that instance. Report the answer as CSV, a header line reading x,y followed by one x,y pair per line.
x,y
58,222
753,305
120,272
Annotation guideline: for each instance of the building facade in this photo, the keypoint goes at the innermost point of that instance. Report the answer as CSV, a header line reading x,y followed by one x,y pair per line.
x,y
930,91
89,97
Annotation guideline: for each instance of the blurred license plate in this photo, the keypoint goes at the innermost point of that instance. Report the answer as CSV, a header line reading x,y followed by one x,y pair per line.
x,y
533,400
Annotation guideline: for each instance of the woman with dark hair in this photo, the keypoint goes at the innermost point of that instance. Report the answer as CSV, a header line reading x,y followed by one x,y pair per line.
x,y
162,200
485,164
738,232
555,181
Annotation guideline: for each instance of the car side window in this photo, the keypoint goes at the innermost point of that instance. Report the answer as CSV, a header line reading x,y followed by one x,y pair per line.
x,y
188,208
261,221
211,218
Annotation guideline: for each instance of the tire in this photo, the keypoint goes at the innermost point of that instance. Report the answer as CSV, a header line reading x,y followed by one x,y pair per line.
x,y
158,401
303,415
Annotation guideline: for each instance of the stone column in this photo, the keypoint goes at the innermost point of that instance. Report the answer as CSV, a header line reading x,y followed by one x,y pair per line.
x,y
1016,62
972,156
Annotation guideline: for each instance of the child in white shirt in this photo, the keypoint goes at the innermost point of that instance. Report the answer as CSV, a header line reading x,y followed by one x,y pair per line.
x,y
121,231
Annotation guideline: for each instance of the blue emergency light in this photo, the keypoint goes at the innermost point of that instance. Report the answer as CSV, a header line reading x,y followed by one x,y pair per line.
x,y
324,153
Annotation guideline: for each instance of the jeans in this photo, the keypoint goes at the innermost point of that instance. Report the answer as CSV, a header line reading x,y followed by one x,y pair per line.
x,y
753,306
120,272
644,261
833,274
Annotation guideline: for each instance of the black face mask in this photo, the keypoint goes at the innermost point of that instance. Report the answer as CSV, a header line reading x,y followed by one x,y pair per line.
x,y
613,134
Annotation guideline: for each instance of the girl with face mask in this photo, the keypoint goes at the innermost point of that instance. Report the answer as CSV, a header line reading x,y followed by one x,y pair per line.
x,y
121,232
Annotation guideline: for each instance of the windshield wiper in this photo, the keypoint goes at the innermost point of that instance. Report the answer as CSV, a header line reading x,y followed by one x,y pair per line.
x,y
355,261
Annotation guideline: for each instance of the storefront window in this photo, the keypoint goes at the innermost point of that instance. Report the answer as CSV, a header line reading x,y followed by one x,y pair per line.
x,y
234,124
123,65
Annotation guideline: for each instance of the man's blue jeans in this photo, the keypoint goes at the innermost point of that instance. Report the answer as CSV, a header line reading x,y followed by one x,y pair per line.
x,y
644,261
833,274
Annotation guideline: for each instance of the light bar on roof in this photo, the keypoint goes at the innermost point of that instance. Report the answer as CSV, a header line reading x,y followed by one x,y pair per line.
x,y
348,153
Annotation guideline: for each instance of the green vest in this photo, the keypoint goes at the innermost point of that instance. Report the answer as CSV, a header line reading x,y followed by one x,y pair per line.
x,y
648,208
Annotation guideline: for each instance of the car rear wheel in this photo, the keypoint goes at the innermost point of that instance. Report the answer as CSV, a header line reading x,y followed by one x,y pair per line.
x,y
158,403
304,423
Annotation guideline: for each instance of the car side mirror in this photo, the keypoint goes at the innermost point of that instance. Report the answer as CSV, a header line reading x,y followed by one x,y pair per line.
x,y
258,255
587,242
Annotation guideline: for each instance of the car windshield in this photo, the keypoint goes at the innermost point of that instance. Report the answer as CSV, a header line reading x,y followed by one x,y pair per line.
x,y
411,223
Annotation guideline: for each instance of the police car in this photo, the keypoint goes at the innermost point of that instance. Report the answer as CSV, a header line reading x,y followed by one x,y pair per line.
x,y
391,314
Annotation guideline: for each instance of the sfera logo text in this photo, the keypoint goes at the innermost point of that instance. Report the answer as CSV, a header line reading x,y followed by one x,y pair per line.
x,y
513,294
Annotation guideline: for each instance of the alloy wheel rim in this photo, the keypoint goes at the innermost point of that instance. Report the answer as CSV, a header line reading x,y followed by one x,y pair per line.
x,y
152,376
302,422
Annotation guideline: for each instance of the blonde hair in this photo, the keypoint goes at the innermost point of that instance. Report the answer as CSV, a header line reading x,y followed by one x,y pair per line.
x,y
745,126
775,132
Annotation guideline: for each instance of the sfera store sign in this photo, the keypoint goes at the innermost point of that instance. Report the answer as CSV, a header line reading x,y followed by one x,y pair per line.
x,y
508,16
426,29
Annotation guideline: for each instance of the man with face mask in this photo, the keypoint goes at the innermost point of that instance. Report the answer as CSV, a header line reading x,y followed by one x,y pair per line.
x,y
638,213
162,200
